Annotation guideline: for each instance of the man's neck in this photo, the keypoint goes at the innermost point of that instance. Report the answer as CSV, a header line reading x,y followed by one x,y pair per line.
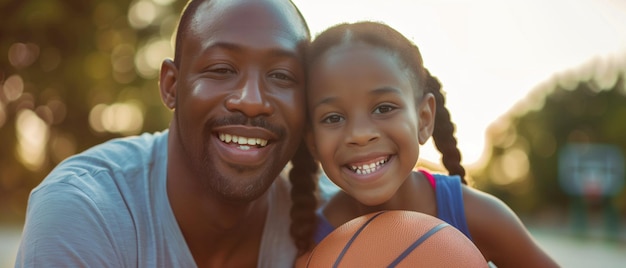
x,y
218,232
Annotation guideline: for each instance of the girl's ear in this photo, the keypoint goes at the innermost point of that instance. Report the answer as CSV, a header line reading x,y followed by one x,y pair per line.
x,y
426,113
167,83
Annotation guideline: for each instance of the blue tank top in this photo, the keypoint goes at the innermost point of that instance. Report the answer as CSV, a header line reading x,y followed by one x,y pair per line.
x,y
450,208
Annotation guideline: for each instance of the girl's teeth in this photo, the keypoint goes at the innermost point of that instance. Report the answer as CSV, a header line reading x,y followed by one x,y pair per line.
x,y
368,168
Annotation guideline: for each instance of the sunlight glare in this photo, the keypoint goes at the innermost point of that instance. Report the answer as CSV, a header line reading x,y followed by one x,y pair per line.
x,y
141,14
124,118
13,87
32,136
148,59
514,165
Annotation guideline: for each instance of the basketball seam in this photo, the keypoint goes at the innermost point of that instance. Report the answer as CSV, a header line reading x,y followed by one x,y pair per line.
x,y
347,246
417,242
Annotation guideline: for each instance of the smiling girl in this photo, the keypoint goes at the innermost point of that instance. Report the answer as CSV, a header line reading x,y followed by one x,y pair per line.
x,y
372,104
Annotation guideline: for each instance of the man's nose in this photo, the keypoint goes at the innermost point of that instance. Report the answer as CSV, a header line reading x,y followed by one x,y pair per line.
x,y
251,99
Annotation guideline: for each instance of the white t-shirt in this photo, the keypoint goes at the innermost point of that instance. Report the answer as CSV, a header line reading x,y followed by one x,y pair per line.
x,y
108,207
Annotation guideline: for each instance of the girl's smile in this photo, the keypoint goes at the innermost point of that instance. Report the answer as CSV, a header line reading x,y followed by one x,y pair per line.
x,y
368,167
365,120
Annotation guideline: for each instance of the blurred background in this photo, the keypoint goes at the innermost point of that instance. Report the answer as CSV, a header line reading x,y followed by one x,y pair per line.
x,y
537,90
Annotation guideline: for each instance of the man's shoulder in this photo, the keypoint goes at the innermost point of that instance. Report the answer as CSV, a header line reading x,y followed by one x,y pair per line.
x,y
120,152
112,161
128,147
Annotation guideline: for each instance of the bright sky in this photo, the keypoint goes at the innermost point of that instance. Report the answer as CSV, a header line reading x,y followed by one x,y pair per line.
x,y
488,54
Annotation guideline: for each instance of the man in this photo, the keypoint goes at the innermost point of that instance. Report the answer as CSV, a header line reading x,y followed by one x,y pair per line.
x,y
202,192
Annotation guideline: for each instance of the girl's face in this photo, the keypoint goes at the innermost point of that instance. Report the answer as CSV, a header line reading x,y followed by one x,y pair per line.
x,y
365,125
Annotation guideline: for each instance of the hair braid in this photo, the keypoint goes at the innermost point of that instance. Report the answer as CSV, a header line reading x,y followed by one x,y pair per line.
x,y
443,133
303,178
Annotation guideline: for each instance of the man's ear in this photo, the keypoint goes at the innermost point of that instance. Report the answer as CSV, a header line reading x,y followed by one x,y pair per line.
x,y
167,83
426,113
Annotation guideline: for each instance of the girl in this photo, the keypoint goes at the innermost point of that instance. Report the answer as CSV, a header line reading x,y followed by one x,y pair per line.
x,y
372,104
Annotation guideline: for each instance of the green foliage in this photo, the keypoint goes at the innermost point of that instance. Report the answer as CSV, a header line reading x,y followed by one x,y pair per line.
x,y
584,114
59,59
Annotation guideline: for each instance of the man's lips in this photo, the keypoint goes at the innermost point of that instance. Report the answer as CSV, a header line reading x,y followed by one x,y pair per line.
x,y
245,135
244,145
228,138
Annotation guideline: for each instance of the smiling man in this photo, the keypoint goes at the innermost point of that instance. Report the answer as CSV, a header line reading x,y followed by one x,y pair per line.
x,y
202,192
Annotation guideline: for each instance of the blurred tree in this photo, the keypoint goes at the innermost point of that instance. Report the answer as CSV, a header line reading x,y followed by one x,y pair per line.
x,y
523,168
74,74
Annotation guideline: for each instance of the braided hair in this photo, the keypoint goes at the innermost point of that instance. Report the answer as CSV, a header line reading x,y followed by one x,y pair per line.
x,y
382,36
303,178
443,133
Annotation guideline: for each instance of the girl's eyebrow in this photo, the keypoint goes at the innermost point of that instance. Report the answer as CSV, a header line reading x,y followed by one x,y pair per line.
x,y
326,100
386,89
376,92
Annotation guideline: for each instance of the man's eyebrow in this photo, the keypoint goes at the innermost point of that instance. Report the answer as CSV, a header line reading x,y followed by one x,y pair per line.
x,y
375,92
223,45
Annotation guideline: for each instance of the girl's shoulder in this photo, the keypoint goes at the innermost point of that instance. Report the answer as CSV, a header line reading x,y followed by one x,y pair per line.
x,y
480,205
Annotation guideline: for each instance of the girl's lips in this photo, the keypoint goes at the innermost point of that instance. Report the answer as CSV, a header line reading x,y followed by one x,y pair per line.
x,y
365,175
370,166
368,161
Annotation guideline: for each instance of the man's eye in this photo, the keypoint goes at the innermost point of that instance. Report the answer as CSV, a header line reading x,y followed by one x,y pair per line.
x,y
222,71
281,76
331,119
383,109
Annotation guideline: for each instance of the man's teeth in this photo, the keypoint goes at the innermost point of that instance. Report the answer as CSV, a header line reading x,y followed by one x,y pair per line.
x,y
369,168
227,138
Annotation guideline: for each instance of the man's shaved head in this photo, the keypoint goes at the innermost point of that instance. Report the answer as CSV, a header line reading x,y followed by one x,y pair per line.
x,y
193,6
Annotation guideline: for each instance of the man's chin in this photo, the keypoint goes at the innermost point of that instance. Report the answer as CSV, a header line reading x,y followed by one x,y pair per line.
x,y
243,193
243,185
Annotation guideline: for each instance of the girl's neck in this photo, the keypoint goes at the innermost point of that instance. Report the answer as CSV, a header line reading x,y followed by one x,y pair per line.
x,y
415,194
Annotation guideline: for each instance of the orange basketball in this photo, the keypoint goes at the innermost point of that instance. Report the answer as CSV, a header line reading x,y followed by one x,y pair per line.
x,y
396,238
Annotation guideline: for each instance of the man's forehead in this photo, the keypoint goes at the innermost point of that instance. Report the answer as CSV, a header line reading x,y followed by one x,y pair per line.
x,y
276,15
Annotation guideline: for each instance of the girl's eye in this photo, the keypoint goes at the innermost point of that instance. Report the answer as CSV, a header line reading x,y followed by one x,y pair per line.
x,y
383,109
332,119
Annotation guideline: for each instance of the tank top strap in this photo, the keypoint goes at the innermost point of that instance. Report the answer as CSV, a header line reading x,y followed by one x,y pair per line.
x,y
450,206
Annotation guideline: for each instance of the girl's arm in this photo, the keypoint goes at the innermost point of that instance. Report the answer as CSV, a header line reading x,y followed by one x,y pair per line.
x,y
500,234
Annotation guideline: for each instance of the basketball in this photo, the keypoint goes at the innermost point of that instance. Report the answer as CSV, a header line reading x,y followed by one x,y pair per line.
x,y
396,238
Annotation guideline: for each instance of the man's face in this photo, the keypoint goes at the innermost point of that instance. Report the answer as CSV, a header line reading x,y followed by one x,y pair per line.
x,y
240,94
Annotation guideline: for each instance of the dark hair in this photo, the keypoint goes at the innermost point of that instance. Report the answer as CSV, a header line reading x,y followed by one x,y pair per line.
x,y
382,36
303,177
303,174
